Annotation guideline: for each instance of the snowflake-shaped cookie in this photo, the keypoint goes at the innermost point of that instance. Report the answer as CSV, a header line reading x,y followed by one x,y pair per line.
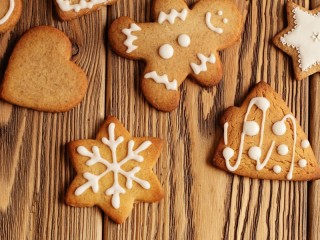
x,y
301,39
114,171
182,42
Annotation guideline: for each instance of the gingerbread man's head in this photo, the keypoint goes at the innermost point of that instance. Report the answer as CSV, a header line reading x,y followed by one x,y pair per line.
x,y
181,42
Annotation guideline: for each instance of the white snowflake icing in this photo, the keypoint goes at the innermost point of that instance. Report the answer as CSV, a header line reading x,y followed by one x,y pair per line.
x,y
115,167
305,38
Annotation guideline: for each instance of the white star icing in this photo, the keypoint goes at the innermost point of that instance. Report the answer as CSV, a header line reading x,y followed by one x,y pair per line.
x,y
305,37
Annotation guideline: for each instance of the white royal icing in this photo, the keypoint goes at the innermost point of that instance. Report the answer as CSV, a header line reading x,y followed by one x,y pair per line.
x,y
225,20
277,169
302,163
225,131
162,80
171,17
65,5
220,12
202,67
8,14
166,51
131,38
115,167
184,40
210,26
305,144
305,38
279,129
283,149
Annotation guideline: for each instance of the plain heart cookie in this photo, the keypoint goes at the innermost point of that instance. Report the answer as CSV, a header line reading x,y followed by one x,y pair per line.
x,y
71,9
10,12
40,74
114,171
262,139
181,42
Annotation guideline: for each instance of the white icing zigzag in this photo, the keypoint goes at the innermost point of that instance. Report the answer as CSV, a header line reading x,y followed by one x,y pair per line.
x,y
65,5
203,66
162,80
171,17
131,38
8,14
114,167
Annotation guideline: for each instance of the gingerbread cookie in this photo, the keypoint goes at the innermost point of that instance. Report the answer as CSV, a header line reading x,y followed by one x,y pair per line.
x,y
262,139
10,12
301,39
182,42
114,171
40,74
71,9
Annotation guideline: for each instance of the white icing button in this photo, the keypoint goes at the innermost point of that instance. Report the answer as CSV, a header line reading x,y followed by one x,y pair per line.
x,y
228,153
225,20
251,128
255,153
277,169
302,163
305,144
279,128
283,149
166,51
184,40
220,13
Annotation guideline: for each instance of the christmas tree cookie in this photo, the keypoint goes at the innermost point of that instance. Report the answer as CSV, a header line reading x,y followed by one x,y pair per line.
x,y
10,12
262,139
301,39
181,42
114,171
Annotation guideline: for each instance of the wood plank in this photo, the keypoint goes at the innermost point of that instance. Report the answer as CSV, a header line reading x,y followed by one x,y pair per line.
x,y
35,170
202,202
314,135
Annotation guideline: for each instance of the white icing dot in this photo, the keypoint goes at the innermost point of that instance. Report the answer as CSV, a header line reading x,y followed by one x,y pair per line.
x,y
228,153
305,144
220,13
302,163
277,169
255,153
166,51
225,20
279,128
283,149
184,40
251,128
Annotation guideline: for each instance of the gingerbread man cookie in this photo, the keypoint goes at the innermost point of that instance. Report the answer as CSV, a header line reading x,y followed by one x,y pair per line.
x,y
262,139
71,9
10,12
114,171
182,42
301,39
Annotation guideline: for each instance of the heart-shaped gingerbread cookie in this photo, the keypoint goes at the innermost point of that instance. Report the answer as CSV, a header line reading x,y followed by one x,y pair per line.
x,y
40,74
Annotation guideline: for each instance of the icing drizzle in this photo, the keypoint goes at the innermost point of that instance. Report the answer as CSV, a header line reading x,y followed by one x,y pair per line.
x,y
251,128
162,80
203,66
115,167
65,5
8,14
171,17
210,26
131,38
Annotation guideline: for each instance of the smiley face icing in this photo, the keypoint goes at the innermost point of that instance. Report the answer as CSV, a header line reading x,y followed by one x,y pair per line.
x,y
301,39
181,42
266,141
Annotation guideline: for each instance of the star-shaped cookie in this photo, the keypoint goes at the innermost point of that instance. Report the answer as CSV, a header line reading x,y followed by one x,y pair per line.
x,y
114,171
301,39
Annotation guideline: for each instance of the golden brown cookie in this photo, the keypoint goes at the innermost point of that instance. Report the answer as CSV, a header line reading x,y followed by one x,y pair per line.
x,y
40,74
182,42
71,9
114,171
301,39
10,12
262,139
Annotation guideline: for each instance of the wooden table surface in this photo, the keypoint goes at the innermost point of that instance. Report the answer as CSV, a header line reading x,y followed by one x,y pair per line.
x,y
200,202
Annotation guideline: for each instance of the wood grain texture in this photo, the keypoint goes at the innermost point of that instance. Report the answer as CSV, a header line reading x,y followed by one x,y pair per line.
x,y
201,202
